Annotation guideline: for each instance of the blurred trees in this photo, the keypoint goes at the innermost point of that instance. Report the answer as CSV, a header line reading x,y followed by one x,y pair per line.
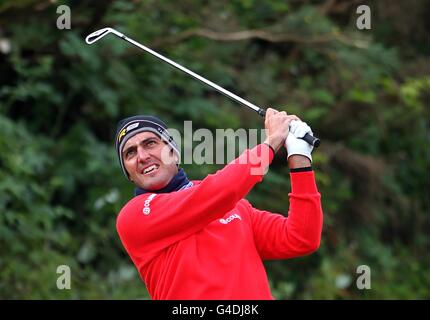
x,y
365,93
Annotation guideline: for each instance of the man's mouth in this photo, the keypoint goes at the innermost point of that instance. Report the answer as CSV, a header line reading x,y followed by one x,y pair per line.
x,y
150,169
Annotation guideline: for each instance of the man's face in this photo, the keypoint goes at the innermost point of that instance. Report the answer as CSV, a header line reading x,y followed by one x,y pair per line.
x,y
149,161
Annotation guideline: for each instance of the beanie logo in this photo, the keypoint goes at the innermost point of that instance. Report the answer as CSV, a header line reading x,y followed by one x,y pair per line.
x,y
122,134
132,126
127,129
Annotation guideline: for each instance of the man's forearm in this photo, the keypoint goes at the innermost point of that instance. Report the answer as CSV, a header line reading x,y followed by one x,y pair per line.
x,y
298,161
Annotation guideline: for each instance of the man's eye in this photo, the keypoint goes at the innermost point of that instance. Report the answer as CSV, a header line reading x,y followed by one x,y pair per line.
x,y
129,153
151,143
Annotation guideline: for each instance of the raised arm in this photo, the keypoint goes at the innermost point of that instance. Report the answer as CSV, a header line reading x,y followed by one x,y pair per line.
x,y
279,237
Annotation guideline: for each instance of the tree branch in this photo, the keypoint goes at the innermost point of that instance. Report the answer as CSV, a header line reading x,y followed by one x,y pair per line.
x,y
326,7
333,7
255,34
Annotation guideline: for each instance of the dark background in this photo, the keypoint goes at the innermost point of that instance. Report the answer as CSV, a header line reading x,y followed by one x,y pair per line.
x,y
365,93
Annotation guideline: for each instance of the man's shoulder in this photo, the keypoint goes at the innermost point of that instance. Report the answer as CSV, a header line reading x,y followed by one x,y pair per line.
x,y
196,182
135,204
138,201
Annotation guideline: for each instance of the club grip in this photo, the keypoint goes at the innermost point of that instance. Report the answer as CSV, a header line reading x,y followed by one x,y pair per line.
x,y
313,141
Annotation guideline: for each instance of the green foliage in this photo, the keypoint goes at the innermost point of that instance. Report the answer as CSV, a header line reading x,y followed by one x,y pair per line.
x,y
365,93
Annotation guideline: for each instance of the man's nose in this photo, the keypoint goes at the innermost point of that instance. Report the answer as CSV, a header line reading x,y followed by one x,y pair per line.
x,y
142,154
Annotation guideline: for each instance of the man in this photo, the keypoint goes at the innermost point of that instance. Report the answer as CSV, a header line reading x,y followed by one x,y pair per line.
x,y
201,239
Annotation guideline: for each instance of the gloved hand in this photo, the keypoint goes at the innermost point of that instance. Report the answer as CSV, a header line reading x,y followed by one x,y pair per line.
x,y
294,145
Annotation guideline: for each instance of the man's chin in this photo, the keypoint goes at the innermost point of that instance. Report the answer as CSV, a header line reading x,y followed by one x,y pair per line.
x,y
154,186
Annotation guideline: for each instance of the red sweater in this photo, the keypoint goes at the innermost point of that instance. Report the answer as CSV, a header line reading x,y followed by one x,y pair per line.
x,y
207,242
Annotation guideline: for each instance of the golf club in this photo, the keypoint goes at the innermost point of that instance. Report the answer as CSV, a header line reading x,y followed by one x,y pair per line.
x,y
97,35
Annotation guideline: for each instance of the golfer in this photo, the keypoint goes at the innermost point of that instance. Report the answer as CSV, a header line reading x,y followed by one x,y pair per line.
x,y
202,239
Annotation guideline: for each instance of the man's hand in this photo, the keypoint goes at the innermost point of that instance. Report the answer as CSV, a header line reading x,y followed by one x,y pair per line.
x,y
277,126
288,129
296,146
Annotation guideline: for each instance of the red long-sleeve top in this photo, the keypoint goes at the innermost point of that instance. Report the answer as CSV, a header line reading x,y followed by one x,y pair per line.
x,y
207,242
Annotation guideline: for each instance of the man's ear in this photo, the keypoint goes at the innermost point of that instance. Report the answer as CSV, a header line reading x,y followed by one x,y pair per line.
x,y
175,156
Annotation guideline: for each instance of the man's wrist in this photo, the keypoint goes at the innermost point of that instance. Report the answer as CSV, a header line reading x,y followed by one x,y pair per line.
x,y
298,161
304,169
274,143
271,148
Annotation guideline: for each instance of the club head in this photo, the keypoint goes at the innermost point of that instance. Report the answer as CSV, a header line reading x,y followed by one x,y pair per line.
x,y
97,35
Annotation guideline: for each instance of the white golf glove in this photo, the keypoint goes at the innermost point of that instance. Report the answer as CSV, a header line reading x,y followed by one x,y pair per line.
x,y
294,144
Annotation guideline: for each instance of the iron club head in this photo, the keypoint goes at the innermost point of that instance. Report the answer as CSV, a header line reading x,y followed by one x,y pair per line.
x,y
97,35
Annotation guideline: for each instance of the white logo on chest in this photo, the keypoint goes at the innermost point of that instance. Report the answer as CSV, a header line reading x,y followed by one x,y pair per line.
x,y
230,219
146,209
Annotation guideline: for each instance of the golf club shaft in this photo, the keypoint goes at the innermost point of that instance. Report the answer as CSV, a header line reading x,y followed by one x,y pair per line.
x,y
100,33
195,76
